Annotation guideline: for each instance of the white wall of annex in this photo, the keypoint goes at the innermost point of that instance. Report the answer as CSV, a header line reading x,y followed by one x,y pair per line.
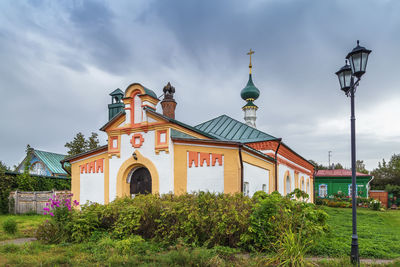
x,y
91,188
256,177
162,161
206,178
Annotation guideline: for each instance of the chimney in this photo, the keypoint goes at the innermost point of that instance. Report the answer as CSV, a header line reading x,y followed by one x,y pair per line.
x,y
168,104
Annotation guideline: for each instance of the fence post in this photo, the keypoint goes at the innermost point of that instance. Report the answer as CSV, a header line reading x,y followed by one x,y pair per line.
x,y
35,200
16,205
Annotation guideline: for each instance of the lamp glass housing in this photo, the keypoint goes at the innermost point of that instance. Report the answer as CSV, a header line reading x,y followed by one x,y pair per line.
x,y
358,58
344,75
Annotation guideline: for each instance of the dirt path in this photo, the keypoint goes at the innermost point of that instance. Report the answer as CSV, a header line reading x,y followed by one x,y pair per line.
x,y
18,241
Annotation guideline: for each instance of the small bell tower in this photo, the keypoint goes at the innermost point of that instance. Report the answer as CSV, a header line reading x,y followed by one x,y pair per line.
x,y
249,94
116,103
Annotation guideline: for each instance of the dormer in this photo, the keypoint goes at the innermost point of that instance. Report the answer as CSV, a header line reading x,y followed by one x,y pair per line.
x,y
136,98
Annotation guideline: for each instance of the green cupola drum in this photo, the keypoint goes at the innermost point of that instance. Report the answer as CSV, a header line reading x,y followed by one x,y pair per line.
x,y
249,94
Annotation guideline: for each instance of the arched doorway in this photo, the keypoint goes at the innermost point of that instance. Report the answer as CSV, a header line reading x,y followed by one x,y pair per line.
x,y
140,182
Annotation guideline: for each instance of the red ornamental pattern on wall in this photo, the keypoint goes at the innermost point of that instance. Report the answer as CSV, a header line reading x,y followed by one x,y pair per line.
x,y
92,167
137,140
204,158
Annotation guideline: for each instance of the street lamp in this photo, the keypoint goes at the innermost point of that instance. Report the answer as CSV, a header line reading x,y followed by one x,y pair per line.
x,y
358,59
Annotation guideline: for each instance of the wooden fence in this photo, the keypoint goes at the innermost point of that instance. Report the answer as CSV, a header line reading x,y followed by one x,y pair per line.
x,y
32,202
379,195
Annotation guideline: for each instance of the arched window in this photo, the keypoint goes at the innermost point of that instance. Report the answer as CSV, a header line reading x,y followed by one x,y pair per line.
x,y
308,187
302,187
137,109
288,190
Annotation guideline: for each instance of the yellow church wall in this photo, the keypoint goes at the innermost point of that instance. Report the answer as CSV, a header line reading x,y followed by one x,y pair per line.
x,y
76,175
261,163
231,166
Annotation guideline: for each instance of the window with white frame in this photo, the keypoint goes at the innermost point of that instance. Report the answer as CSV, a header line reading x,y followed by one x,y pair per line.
x,y
264,188
350,188
38,168
323,190
308,187
288,190
246,189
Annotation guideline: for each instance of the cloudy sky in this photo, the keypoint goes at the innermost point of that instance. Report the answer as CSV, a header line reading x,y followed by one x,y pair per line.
x,y
59,60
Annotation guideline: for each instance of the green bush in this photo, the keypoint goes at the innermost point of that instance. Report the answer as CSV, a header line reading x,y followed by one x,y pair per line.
x,y
50,232
10,226
201,219
272,216
375,204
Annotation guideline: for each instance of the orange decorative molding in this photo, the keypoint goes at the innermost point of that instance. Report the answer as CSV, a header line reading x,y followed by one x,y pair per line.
x,y
215,158
99,165
193,157
137,140
204,157
290,165
162,140
92,167
132,107
283,151
114,145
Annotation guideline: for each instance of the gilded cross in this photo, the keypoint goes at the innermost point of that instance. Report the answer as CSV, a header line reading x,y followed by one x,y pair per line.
x,y
250,53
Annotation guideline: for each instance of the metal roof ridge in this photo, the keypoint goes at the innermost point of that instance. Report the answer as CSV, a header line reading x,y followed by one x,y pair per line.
x,y
68,158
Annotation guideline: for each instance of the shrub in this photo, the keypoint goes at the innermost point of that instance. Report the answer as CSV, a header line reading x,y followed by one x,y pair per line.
x,y
375,204
50,232
272,216
10,226
200,219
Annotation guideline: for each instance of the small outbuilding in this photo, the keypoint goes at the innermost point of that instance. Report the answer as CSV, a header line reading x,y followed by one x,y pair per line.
x,y
330,182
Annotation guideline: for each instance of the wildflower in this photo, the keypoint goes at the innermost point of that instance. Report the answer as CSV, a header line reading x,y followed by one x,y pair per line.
x,y
51,214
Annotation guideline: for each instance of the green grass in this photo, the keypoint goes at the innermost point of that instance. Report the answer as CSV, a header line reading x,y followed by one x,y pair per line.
x,y
106,253
26,225
378,234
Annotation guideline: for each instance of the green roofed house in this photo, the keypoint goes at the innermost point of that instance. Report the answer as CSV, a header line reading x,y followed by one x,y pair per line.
x,y
330,182
44,163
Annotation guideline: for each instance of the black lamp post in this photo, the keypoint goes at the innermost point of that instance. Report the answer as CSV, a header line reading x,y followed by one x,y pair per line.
x,y
358,58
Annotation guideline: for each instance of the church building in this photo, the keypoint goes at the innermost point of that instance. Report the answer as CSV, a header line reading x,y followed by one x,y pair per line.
x,y
150,151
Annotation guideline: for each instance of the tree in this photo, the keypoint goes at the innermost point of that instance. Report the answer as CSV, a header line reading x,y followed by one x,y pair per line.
x,y
80,144
3,167
318,166
360,167
77,146
93,141
387,173
24,181
338,166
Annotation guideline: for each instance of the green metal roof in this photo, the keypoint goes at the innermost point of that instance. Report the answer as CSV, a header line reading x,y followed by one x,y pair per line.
x,y
150,92
228,129
117,92
51,160
179,134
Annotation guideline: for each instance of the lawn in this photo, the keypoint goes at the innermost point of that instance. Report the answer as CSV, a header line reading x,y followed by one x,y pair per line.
x,y
26,225
379,237
378,233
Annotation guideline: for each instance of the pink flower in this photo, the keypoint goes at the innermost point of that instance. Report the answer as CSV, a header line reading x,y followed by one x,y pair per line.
x,y
44,213
51,214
